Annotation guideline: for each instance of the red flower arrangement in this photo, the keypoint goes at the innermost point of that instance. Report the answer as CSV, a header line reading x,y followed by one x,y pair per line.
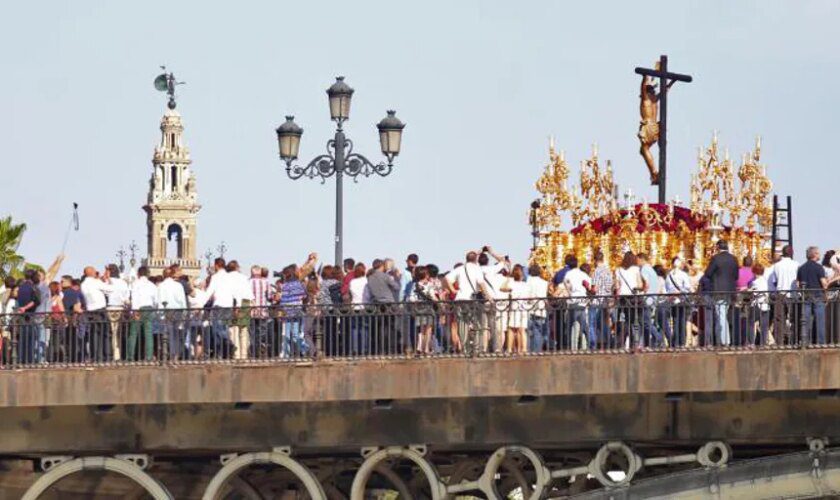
x,y
694,221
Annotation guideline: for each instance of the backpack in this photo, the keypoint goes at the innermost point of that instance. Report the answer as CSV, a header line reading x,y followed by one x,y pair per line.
x,y
335,293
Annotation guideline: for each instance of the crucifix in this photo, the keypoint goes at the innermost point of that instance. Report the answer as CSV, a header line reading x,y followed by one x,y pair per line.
x,y
651,130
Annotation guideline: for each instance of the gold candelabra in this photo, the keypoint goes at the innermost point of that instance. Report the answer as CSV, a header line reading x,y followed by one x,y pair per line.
x,y
597,188
661,231
755,191
553,186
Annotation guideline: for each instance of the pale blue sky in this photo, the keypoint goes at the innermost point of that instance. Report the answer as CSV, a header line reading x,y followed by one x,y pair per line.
x,y
480,85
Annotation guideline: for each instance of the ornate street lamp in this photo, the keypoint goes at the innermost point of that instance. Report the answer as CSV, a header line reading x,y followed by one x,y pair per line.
x,y
340,159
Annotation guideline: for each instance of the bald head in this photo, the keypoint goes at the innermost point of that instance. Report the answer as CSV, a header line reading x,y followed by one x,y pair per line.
x,y
89,271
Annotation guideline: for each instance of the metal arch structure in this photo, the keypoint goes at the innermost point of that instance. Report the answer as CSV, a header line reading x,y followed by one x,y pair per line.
x,y
123,467
813,474
232,467
373,459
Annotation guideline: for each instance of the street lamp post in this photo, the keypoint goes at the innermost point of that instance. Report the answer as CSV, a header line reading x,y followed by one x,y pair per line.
x,y
340,159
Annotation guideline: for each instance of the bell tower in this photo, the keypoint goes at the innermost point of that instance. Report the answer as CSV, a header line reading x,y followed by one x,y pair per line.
x,y
172,204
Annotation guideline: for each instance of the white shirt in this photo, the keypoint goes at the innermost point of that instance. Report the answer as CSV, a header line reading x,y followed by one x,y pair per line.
x,y
759,285
576,281
677,281
94,291
359,291
518,289
469,278
493,268
783,274
495,282
119,294
628,279
241,286
198,298
221,289
171,295
537,289
143,293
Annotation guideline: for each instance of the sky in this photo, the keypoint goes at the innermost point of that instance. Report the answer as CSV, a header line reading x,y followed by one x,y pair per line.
x,y
480,85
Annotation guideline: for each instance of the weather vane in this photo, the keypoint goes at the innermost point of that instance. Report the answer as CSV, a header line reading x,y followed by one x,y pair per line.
x,y
165,82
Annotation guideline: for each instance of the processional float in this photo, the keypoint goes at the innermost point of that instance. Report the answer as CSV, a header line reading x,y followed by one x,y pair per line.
x,y
726,202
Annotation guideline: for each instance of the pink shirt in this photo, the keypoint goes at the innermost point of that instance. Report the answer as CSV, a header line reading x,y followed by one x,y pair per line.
x,y
745,275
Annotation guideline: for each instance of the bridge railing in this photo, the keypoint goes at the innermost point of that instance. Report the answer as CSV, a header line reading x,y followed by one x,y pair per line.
x,y
562,325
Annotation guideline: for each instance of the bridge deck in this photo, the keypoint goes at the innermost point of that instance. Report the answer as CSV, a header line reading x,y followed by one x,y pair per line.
x,y
815,369
767,398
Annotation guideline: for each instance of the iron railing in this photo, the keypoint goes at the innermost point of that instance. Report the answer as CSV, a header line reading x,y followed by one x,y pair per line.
x,y
626,324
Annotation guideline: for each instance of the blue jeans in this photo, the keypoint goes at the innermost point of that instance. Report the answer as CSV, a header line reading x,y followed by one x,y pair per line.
x,y
675,314
577,314
814,311
41,347
652,336
293,337
359,336
599,327
537,333
27,345
722,321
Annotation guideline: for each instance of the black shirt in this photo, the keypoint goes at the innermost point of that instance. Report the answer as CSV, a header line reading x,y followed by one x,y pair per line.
x,y
810,275
722,272
70,298
27,293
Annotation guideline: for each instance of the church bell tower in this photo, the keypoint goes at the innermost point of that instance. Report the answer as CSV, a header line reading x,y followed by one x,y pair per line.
x,y
172,205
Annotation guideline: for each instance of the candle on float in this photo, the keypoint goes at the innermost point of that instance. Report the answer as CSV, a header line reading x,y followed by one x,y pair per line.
x,y
562,155
551,142
595,149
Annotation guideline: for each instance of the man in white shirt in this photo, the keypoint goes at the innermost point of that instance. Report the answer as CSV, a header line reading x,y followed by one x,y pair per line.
x,y
471,286
220,291
171,296
143,303
117,298
537,325
783,273
577,285
239,329
484,261
678,284
783,279
93,291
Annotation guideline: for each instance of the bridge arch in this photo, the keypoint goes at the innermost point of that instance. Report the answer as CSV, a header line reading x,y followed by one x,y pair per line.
x,y
231,468
487,483
357,491
128,469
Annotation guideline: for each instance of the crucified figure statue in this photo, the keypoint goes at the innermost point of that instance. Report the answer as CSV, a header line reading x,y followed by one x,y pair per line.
x,y
649,126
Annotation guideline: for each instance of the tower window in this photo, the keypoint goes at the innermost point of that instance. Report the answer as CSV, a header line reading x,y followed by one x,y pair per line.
x,y
175,242
172,140
174,178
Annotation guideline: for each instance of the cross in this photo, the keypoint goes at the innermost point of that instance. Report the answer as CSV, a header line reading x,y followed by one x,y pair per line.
x,y
666,79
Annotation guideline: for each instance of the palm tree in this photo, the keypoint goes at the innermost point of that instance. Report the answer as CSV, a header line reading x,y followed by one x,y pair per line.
x,y
10,237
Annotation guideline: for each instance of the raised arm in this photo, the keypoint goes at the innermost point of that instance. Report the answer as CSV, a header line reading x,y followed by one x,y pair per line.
x,y
52,271
498,257
308,266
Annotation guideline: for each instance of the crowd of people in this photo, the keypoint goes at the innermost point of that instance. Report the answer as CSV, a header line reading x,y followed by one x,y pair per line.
x,y
485,304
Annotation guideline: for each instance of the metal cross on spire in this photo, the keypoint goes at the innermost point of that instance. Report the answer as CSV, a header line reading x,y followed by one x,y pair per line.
x,y
651,130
